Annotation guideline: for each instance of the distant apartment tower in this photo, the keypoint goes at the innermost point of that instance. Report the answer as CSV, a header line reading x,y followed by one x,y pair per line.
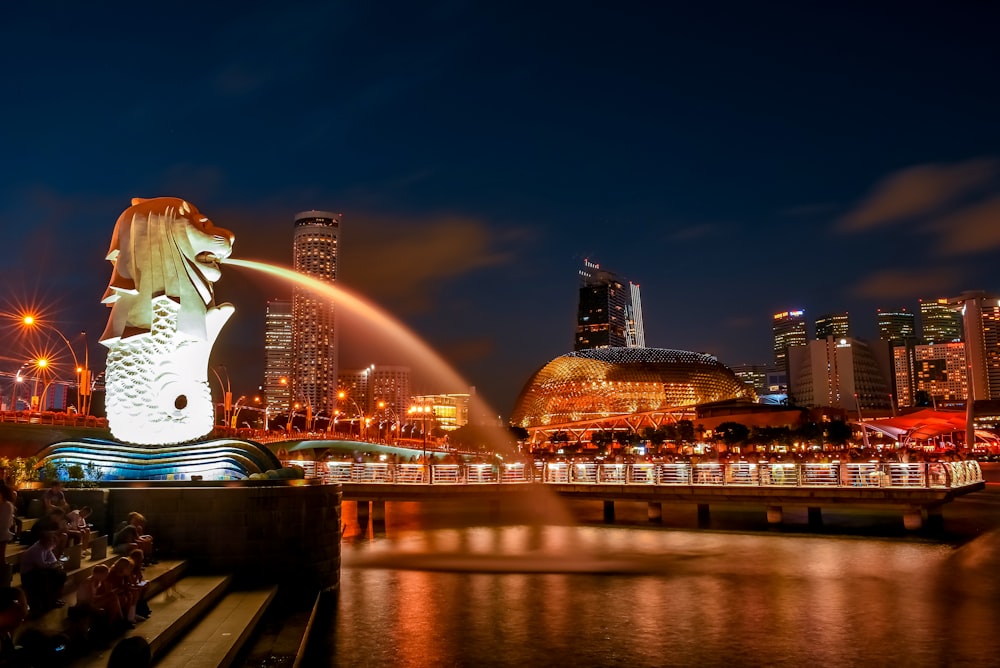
x,y
389,391
836,325
980,313
939,321
314,336
608,315
278,355
935,374
841,373
354,390
789,330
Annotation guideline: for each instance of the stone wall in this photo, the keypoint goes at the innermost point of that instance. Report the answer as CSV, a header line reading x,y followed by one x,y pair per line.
x,y
262,532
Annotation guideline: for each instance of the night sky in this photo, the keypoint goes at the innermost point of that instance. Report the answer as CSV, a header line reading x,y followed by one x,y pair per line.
x,y
733,160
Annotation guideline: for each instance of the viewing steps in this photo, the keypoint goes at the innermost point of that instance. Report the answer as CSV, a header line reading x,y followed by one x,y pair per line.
x,y
196,621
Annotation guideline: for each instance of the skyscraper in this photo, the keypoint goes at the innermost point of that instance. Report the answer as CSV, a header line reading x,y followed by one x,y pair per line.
x,y
936,374
939,322
842,373
981,315
789,330
607,315
278,355
314,336
836,325
897,326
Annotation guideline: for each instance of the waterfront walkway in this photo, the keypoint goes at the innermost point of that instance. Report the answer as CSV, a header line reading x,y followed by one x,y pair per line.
x,y
918,489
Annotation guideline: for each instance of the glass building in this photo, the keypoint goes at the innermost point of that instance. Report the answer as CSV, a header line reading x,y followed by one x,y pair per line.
x,y
278,355
608,315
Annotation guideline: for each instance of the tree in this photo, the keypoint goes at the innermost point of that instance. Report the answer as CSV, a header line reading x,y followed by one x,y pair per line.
x,y
838,432
685,431
482,438
733,433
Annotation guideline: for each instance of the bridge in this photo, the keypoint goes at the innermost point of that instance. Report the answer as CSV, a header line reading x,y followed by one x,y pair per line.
x,y
917,489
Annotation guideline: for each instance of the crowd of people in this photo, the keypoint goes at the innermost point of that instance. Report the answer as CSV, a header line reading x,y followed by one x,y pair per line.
x,y
111,599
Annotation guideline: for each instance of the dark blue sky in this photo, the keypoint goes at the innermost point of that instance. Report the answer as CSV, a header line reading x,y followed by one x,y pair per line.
x,y
733,160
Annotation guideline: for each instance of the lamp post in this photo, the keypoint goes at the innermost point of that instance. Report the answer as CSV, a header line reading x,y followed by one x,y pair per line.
x,y
227,393
395,417
236,410
31,321
422,410
361,414
13,392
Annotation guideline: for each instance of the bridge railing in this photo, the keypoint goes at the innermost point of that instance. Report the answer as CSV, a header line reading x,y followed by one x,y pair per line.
x,y
730,474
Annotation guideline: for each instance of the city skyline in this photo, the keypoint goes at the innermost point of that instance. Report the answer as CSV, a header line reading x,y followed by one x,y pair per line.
x,y
735,164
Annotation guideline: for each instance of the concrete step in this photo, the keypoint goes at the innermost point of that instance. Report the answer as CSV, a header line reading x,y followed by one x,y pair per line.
x,y
174,611
215,641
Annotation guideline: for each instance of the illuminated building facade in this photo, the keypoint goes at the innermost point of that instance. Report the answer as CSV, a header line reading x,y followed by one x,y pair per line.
x,y
278,355
836,325
939,374
626,388
450,411
314,336
940,322
754,375
841,373
789,328
390,385
608,315
898,326
980,313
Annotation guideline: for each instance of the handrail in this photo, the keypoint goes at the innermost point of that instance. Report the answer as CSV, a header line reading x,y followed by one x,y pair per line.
x,y
900,475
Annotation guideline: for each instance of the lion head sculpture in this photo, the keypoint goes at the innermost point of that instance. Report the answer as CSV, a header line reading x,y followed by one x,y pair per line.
x,y
163,246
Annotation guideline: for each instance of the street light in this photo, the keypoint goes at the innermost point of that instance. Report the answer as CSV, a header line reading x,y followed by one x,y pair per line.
x,y
395,416
422,410
31,321
361,414
227,393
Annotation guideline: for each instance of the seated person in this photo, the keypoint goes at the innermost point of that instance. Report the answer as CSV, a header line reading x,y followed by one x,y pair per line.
x,y
139,583
54,497
120,582
42,575
143,541
7,516
125,540
77,527
96,599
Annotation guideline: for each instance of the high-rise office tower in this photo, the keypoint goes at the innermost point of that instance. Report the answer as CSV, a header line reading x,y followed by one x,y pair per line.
x,y
278,355
608,315
836,325
314,335
789,330
897,326
981,321
842,373
389,389
939,321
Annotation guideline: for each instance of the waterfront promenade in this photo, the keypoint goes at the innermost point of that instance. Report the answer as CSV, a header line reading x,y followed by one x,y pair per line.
x,y
917,489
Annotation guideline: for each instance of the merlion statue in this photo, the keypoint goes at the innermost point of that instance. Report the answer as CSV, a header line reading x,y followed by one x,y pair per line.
x,y
164,321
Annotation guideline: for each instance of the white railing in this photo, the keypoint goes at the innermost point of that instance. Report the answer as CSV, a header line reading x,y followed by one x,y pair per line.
x,y
900,475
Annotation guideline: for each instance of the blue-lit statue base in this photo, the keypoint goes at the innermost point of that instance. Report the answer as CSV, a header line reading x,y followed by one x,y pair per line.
x,y
218,459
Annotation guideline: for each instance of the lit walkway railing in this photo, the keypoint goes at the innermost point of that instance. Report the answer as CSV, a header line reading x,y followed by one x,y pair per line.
x,y
735,474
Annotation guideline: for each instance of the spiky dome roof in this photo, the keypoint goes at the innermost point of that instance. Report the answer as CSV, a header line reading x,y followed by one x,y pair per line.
x,y
601,382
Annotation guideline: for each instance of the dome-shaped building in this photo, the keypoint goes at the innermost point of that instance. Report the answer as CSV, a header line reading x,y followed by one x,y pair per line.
x,y
603,387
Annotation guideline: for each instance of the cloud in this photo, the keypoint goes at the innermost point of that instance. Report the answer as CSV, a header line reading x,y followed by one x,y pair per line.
x,y
917,192
403,261
907,283
973,229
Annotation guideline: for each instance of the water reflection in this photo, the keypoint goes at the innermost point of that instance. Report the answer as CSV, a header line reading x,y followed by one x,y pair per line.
x,y
628,596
